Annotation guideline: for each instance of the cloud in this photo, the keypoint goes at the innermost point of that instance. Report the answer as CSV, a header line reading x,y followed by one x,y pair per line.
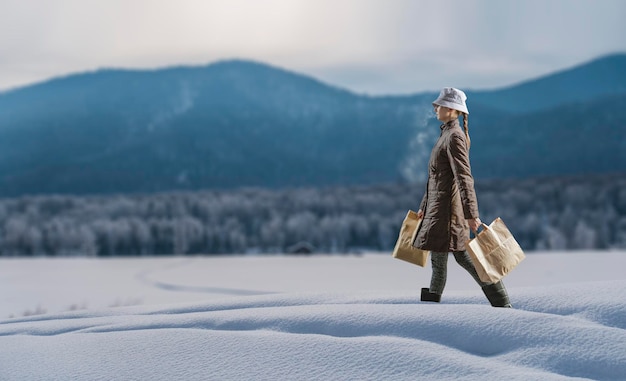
x,y
366,45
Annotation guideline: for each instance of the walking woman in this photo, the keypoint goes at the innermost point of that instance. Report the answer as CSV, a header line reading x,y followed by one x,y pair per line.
x,y
449,207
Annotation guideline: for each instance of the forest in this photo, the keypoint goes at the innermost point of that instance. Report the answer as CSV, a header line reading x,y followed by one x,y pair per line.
x,y
565,213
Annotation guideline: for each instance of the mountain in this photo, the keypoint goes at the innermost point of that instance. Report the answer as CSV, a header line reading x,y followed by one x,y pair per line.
x,y
571,139
228,124
595,79
240,123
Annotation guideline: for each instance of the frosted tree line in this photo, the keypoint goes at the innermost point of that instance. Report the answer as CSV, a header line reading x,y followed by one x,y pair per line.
x,y
543,214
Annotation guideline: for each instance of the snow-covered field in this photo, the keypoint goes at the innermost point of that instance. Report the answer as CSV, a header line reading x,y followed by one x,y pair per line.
x,y
308,318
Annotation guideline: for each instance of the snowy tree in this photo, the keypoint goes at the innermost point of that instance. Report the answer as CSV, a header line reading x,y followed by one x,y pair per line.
x,y
188,233
15,239
584,236
554,239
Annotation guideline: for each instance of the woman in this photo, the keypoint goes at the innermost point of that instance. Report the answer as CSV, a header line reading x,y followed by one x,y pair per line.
x,y
449,207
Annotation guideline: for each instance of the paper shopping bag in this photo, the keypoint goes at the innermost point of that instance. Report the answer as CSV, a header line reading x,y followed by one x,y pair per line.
x,y
494,251
404,248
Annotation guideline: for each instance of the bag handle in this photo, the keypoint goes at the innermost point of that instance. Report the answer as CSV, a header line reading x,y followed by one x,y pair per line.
x,y
482,226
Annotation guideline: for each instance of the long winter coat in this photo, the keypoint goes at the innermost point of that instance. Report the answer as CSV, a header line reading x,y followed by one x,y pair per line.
x,y
450,198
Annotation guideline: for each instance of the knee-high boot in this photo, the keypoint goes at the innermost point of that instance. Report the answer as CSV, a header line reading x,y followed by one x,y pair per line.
x,y
497,295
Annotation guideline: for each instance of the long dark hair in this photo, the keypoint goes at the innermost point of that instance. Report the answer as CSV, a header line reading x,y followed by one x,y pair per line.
x,y
467,138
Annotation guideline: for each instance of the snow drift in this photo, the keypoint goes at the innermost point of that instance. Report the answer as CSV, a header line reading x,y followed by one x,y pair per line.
x,y
561,332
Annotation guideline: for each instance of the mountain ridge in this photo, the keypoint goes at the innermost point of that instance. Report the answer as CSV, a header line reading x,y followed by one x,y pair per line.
x,y
240,123
594,78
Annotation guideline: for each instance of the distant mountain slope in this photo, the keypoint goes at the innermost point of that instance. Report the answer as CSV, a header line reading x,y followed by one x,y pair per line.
x,y
598,78
577,138
228,124
240,123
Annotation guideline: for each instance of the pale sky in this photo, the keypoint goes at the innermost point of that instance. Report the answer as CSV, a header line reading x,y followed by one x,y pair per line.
x,y
367,46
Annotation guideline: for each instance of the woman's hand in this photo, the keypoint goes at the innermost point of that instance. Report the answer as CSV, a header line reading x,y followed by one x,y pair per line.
x,y
474,224
420,214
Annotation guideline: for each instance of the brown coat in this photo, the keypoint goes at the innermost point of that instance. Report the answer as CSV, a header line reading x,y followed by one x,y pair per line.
x,y
450,198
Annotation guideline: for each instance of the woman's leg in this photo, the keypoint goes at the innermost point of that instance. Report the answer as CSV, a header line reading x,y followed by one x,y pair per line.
x,y
440,272
495,292
463,259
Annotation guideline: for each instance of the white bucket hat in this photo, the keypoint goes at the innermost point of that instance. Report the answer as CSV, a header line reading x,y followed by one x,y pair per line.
x,y
452,98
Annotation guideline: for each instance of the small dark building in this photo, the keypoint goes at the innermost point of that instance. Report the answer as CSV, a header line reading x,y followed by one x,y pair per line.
x,y
301,248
